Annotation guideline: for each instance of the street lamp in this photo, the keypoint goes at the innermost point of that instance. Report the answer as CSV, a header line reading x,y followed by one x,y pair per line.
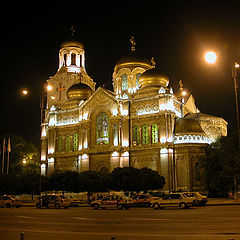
x,y
210,57
235,66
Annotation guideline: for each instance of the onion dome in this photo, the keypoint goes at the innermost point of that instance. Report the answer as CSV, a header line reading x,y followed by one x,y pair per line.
x,y
153,77
188,126
72,43
131,61
79,92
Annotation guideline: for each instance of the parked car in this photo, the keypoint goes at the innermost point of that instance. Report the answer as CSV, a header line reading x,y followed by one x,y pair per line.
x,y
55,201
199,199
111,201
173,200
77,201
10,201
142,200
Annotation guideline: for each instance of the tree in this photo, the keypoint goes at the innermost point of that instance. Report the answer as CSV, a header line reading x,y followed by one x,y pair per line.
x,y
222,166
133,179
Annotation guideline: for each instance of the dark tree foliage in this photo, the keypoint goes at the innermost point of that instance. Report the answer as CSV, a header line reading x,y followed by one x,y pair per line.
x,y
22,177
133,179
222,166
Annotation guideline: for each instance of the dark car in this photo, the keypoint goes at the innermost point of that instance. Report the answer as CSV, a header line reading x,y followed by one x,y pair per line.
x,y
55,201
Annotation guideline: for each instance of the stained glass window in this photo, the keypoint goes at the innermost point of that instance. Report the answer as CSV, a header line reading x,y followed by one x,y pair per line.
x,y
60,143
137,79
68,143
145,135
136,135
124,82
154,133
102,129
75,142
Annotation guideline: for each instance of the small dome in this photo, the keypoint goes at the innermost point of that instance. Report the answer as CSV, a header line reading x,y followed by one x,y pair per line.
x,y
79,92
132,61
72,44
153,77
188,126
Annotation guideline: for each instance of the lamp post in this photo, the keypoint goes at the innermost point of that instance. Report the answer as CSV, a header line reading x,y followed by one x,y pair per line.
x,y
235,66
211,57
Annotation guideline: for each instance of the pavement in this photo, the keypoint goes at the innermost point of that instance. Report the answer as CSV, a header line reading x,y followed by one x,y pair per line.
x,y
211,202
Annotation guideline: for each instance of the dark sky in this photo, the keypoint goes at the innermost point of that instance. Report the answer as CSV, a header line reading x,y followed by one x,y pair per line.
x,y
175,34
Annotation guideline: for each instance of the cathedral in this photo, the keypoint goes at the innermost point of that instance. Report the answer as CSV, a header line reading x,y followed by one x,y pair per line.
x,y
141,123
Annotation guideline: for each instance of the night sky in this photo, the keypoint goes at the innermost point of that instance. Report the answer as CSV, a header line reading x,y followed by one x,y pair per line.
x,y
175,34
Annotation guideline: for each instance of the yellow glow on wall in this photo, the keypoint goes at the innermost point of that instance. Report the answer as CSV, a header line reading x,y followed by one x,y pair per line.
x,y
84,156
125,143
125,154
163,140
163,151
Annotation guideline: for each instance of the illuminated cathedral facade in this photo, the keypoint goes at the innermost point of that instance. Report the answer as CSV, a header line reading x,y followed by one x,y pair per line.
x,y
141,123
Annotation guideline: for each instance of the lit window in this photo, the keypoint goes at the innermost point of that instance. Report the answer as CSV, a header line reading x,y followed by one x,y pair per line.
x,y
145,135
154,133
102,129
137,80
136,135
60,143
124,82
75,142
68,143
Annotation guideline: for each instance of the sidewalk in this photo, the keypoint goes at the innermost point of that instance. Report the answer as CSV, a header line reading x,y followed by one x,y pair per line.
x,y
222,201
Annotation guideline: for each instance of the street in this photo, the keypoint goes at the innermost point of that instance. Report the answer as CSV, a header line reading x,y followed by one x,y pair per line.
x,y
210,222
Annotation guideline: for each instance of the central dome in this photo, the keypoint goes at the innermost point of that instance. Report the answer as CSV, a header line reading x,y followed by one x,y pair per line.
x,y
153,77
79,92
131,61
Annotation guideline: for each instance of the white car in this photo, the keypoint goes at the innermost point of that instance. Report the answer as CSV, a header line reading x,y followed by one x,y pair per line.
x,y
199,199
173,200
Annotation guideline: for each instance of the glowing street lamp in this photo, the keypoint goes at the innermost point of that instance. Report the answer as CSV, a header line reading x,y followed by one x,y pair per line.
x,y
25,92
210,57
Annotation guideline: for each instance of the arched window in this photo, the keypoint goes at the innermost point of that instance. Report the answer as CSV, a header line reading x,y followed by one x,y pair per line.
x,y
115,135
137,80
154,133
73,59
102,129
197,172
145,135
75,142
60,143
65,59
136,135
68,143
80,60
124,82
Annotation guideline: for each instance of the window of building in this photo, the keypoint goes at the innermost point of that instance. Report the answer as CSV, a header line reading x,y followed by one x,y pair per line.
x,y
102,129
145,135
197,172
115,135
124,80
75,142
65,59
154,133
136,135
68,143
73,59
60,143
137,79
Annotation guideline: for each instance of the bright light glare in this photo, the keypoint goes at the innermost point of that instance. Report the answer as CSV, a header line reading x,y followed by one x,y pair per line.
x,y
236,65
25,92
210,57
49,87
184,93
